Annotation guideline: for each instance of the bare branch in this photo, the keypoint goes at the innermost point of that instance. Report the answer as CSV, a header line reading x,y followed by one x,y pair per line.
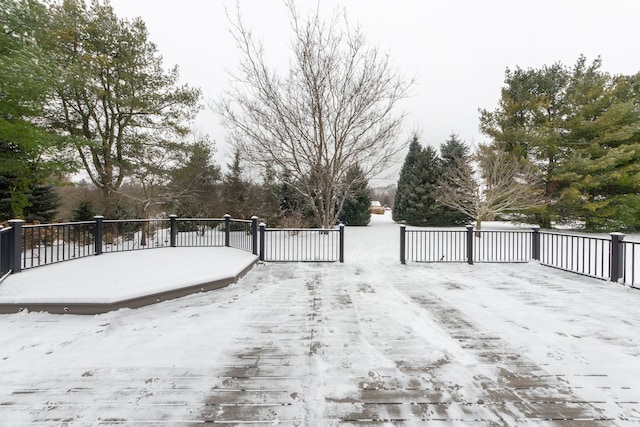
x,y
333,110
502,184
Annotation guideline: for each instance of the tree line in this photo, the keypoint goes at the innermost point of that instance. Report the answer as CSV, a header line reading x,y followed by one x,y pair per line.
x,y
85,92
82,90
563,148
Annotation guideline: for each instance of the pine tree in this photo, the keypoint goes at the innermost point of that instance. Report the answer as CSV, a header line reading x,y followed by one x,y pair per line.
x,y
43,204
235,189
84,211
415,199
421,205
404,186
604,171
356,206
451,152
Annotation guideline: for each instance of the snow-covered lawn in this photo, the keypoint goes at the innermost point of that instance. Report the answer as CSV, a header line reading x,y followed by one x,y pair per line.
x,y
370,341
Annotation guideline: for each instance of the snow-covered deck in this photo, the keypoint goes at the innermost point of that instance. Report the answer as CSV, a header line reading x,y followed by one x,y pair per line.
x,y
368,342
98,284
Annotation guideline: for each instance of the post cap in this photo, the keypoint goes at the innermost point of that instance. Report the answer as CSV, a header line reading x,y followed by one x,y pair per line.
x,y
254,217
98,217
173,216
16,221
227,216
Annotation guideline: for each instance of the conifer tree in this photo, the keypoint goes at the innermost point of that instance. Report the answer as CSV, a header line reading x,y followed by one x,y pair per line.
x,y
84,211
452,152
415,199
235,189
421,205
356,206
404,185
43,204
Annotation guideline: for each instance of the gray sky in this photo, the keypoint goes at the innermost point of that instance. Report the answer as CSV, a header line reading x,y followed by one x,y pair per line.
x,y
457,49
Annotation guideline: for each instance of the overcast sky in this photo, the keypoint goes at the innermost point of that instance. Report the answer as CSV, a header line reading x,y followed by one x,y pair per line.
x,y
457,49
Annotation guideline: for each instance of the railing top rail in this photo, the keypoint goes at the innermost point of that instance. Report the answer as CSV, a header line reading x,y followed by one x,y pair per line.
x,y
201,219
59,224
4,229
503,231
114,221
435,230
583,236
322,230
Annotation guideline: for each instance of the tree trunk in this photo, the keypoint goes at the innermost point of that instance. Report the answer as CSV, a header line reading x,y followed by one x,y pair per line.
x,y
110,205
478,227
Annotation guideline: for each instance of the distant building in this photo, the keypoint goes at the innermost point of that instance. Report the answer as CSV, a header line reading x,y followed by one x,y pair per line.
x,y
376,208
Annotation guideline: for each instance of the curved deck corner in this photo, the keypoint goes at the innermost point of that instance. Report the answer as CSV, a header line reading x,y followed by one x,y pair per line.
x,y
99,284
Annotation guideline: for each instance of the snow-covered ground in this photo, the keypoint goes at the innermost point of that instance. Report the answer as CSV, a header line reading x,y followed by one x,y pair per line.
x,y
370,341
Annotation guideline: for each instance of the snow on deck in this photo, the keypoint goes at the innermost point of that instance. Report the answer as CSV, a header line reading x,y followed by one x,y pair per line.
x,y
114,277
368,342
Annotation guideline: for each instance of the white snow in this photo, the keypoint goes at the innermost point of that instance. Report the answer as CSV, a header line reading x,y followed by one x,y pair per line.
x,y
327,344
123,275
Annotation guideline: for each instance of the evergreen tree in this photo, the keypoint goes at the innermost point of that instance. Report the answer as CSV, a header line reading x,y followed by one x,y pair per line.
x,y
195,184
235,190
404,186
113,100
355,210
452,151
415,199
84,211
603,173
421,205
29,155
43,204
580,127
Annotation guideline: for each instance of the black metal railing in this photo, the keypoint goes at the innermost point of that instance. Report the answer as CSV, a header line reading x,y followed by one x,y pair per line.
x,y
604,258
51,243
234,233
502,246
27,246
135,234
200,232
437,245
5,251
585,255
301,245
630,262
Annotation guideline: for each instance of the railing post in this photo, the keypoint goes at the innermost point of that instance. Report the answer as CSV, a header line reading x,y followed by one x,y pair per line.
x,y
535,243
254,235
98,233
617,257
262,233
227,230
470,244
15,245
173,230
341,228
403,254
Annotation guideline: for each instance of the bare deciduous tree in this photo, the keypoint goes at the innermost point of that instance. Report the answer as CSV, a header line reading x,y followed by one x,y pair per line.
x,y
502,184
334,109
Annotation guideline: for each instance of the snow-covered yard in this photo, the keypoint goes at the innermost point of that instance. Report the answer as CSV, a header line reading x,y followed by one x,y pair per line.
x,y
370,341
